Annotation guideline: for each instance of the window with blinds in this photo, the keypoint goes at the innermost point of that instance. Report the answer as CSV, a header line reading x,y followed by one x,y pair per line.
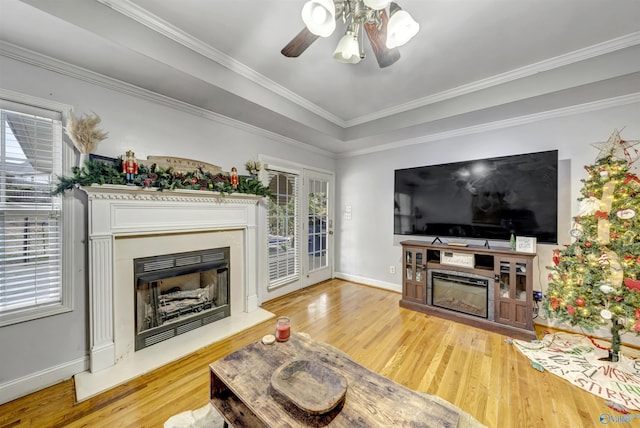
x,y
284,263
30,218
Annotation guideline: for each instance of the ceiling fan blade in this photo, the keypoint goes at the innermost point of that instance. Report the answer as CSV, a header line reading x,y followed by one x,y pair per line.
x,y
299,43
378,39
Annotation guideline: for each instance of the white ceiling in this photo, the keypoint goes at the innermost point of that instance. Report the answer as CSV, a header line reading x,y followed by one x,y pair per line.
x,y
473,62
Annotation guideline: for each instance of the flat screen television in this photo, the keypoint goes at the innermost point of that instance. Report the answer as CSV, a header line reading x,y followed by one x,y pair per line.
x,y
487,199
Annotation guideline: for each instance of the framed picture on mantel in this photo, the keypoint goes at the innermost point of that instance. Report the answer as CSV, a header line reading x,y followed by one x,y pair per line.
x,y
525,244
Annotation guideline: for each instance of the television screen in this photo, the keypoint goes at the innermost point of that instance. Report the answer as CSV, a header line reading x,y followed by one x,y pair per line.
x,y
486,199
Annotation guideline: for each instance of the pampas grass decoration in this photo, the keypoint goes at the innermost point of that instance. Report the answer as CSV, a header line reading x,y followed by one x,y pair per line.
x,y
83,132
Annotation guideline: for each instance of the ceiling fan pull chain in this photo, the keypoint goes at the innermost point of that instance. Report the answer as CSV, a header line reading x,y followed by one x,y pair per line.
x,y
361,42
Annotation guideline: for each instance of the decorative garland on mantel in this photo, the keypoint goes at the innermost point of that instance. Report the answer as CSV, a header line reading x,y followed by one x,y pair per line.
x,y
101,172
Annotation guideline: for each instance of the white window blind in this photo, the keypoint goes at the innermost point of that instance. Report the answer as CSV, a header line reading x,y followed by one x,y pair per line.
x,y
283,218
30,218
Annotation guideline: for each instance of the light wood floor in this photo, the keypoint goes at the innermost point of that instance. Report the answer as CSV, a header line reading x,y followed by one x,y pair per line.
x,y
472,368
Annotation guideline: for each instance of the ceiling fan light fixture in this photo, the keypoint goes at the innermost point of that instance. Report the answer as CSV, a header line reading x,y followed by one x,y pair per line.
x,y
385,24
376,4
320,17
348,50
401,27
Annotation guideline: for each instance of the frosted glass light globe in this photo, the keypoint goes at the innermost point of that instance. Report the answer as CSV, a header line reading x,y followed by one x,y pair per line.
x,y
319,14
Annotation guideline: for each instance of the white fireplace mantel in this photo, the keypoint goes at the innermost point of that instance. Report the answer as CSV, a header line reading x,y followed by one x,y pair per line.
x,y
127,211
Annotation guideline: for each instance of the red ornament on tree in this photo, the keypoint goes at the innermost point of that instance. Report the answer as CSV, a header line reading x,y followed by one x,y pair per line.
x,y
632,284
580,302
588,244
556,257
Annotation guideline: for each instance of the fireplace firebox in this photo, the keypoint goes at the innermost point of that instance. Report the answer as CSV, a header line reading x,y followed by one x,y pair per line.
x,y
458,292
177,293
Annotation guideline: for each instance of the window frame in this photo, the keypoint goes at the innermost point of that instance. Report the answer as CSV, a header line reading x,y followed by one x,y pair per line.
x,y
297,274
33,105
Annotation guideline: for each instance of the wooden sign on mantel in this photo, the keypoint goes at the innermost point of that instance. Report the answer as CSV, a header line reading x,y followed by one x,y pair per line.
x,y
181,164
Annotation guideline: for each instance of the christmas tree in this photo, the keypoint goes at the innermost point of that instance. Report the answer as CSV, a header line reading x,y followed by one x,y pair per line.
x,y
595,281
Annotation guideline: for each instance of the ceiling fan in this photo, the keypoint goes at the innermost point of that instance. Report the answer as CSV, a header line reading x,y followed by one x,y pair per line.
x,y
385,31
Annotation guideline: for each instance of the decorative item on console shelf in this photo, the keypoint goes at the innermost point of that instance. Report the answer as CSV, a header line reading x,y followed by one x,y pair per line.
x,y
160,173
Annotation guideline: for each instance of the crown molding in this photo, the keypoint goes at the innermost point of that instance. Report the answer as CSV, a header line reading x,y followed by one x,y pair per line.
x,y
603,48
48,63
506,123
157,24
57,66
133,11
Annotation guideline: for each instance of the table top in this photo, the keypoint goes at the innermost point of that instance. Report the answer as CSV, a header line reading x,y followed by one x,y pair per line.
x,y
241,390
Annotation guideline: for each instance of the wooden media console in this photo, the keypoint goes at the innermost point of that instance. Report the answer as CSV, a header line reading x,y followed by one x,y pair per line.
x,y
478,286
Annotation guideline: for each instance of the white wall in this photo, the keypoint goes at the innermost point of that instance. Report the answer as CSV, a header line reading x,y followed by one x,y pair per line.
x,y
42,352
365,245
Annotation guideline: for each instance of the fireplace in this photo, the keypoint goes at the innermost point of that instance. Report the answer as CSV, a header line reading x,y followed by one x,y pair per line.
x,y
127,223
461,292
177,293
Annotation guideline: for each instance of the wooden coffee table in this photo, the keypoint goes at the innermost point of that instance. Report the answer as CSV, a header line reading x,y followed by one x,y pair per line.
x,y
241,391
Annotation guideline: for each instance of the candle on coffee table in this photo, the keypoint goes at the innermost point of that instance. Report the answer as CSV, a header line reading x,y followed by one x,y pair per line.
x,y
283,329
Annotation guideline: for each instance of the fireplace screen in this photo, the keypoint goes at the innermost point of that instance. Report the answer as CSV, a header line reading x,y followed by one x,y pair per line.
x,y
460,293
176,293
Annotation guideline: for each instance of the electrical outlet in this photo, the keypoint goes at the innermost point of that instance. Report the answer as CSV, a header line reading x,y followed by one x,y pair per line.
x,y
392,269
537,296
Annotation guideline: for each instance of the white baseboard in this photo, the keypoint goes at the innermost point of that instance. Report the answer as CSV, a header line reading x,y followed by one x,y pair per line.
x,y
36,381
369,281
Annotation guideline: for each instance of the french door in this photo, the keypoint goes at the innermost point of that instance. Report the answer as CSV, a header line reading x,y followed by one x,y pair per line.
x,y
300,228
318,259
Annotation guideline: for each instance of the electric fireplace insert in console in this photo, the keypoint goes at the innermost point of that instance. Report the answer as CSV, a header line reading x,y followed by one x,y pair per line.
x,y
177,293
468,294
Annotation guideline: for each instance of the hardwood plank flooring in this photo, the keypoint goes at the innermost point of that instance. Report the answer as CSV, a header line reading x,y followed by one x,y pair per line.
x,y
472,368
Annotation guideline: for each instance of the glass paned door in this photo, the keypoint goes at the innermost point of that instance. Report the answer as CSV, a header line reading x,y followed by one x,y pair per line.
x,y
319,228
283,239
317,239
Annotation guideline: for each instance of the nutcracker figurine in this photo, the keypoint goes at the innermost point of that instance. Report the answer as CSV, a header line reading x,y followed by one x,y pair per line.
x,y
130,166
234,177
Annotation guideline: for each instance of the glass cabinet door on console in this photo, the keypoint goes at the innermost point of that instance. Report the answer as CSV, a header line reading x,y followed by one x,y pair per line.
x,y
513,299
414,284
